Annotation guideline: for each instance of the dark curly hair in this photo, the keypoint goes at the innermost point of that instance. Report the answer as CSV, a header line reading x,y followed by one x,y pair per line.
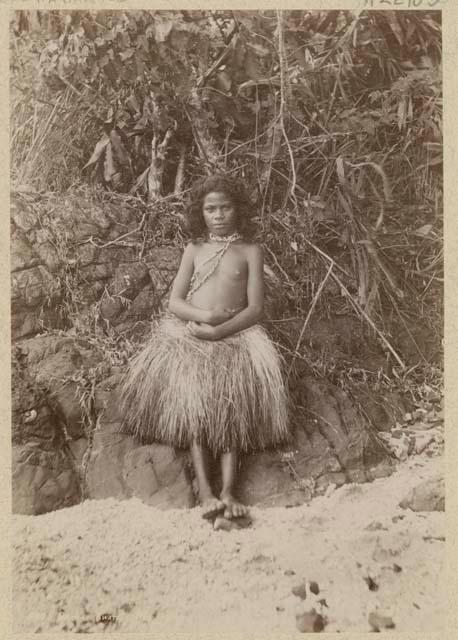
x,y
235,190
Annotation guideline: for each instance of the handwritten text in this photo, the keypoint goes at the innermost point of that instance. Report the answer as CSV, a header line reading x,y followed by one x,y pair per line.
x,y
406,4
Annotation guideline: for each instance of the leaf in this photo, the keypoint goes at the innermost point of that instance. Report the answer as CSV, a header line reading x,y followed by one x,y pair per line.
x,y
125,55
109,168
118,149
340,169
140,181
395,28
98,151
162,28
259,49
224,81
424,231
402,114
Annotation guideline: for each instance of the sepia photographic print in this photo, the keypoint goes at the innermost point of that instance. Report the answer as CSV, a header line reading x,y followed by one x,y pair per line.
x,y
227,309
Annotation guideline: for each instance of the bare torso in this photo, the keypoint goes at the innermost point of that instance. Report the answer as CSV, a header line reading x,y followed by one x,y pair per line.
x,y
226,288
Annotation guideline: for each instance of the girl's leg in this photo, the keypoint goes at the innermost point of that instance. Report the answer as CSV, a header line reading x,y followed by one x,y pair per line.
x,y
234,509
200,459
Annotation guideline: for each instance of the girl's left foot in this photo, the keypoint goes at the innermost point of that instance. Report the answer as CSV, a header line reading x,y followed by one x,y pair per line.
x,y
234,509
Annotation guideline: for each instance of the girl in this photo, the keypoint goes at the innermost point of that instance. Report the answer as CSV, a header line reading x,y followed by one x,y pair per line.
x,y
210,378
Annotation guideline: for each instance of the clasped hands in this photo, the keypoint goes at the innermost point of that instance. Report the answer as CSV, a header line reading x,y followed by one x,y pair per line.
x,y
209,330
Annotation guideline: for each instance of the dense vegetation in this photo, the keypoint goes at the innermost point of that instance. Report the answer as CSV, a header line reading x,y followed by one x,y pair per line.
x,y
333,118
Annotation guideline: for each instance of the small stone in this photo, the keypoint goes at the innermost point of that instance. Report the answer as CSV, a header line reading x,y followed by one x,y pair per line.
x,y
408,417
290,572
330,490
379,621
299,590
395,519
314,588
373,586
375,526
222,524
310,622
429,495
225,524
421,442
397,568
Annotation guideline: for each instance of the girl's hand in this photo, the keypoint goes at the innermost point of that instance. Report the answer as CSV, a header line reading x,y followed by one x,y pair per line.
x,y
218,316
202,331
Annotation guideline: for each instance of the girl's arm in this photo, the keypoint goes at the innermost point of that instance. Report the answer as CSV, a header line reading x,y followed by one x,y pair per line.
x,y
255,298
177,303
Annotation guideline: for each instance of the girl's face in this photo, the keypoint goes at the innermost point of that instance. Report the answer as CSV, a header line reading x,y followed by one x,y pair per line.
x,y
219,213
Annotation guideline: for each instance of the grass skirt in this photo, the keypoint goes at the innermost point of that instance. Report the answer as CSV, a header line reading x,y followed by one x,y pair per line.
x,y
227,394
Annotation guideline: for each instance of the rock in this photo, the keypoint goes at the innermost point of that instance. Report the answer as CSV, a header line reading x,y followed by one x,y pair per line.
x,y
120,468
375,526
381,470
53,361
421,426
333,444
330,490
264,480
372,585
28,400
310,622
314,588
225,524
32,287
357,476
379,621
400,447
77,450
328,482
42,481
299,590
22,254
422,441
429,495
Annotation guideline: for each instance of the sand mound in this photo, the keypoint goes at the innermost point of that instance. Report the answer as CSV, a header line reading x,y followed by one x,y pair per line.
x,y
152,570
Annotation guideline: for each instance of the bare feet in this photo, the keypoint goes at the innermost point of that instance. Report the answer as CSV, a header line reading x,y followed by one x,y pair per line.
x,y
211,507
234,509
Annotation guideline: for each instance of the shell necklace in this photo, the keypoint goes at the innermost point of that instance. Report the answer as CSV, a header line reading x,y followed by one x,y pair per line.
x,y
231,238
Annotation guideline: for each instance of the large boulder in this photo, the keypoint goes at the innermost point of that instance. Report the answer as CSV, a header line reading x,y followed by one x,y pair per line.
x,y
57,363
332,444
43,476
121,468
42,480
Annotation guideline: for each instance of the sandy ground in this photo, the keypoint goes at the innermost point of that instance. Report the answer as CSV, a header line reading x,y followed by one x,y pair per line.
x,y
169,570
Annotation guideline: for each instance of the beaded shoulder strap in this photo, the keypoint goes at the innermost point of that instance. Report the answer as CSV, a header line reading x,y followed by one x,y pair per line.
x,y
217,256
